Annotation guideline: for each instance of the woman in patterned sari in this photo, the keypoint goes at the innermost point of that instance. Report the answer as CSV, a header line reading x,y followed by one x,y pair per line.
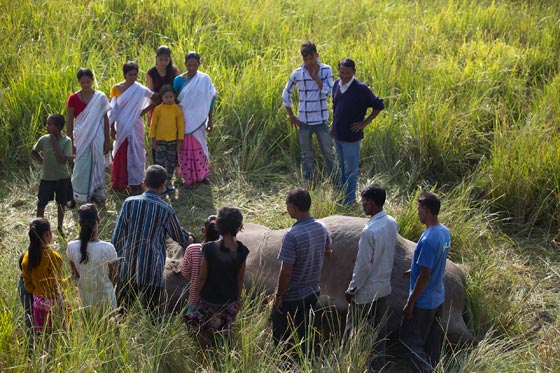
x,y
129,101
196,95
88,127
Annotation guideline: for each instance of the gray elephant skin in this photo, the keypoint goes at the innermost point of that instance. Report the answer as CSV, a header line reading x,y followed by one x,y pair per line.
x,y
263,268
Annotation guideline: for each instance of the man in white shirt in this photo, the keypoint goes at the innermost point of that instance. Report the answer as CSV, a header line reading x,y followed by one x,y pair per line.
x,y
370,286
314,81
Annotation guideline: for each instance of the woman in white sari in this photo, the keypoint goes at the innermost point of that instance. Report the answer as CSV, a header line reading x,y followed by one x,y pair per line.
x,y
196,95
129,101
88,127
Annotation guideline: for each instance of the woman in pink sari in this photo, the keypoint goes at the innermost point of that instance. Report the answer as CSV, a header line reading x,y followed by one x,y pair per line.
x,y
129,101
196,95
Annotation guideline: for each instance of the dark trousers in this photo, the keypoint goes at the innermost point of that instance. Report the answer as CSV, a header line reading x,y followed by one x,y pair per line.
x,y
370,316
422,337
27,303
295,316
149,296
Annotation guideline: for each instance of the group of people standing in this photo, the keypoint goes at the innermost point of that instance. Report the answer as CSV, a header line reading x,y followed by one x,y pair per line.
x,y
130,268
351,100
180,108
133,262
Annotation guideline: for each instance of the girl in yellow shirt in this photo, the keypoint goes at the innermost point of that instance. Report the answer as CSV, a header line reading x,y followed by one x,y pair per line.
x,y
42,274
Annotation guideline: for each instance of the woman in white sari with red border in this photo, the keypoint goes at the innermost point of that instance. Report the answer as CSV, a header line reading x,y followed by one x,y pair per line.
x,y
196,95
129,101
88,127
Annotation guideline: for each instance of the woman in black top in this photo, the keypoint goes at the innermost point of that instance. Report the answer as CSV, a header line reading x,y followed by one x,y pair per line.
x,y
222,273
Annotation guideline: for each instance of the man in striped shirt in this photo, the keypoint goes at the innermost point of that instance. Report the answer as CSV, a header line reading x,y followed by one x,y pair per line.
x,y
303,248
314,81
140,235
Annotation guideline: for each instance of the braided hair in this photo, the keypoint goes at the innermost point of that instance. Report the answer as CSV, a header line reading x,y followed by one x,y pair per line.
x,y
88,220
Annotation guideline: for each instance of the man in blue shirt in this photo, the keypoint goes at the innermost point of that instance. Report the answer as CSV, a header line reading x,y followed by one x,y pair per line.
x,y
314,82
303,249
351,99
140,235
421,330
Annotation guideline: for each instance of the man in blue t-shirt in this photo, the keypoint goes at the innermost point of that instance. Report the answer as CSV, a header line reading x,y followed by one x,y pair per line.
x,y
421,330
303,248
351,100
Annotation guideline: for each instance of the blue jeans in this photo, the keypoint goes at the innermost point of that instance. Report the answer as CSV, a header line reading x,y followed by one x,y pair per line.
x,y
305,132
348,156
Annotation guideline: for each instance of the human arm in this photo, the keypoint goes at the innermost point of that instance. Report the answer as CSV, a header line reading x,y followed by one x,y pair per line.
x,y
358,126
377,104
27,280
186,268
60,156
322,75
107,142
240,278
176,232
203,275
121,229
75,273
112,267
149,82
37,156
287,99
421,283
363,265
70,125
209,123
153,127
283,283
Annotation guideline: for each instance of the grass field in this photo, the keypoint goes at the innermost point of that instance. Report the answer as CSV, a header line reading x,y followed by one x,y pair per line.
x,y
472,90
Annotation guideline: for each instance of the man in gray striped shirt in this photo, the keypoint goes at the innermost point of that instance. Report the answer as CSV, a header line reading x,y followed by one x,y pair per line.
x,y
314,81
303,248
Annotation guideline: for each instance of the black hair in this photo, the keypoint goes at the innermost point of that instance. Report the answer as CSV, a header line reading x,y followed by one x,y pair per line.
x,y
229,221
57,119
88,218
37,229
156,176
192,54
376,194
169,69
85,72
210,229
166,88
300,198
430,201
347,62
130,66
308,48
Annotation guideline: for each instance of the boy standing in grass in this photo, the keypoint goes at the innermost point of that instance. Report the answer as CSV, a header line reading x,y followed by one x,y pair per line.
x,y
167,133
53,151
314,81
421,330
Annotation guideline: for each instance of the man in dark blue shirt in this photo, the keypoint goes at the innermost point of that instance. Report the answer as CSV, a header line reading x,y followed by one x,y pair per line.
x,y
351,99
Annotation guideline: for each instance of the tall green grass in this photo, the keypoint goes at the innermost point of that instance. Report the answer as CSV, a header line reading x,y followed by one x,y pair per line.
x,y
472,97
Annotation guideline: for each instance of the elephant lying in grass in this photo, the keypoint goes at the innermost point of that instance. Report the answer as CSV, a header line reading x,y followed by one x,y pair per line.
x,y
263,267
